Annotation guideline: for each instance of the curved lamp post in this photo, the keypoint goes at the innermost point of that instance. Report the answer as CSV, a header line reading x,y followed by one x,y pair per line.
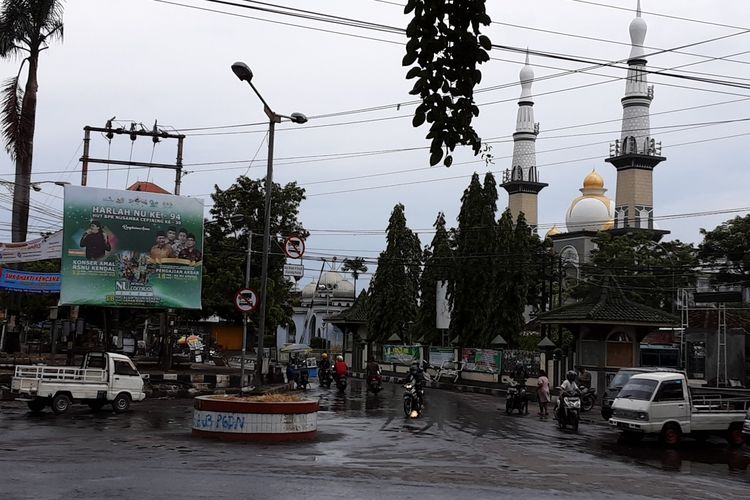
x,y
243,72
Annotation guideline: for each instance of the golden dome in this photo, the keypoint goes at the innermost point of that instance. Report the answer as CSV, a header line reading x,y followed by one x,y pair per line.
x,y
593,180
552,232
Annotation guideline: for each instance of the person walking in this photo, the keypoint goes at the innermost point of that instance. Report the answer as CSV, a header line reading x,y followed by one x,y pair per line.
x,y
542,393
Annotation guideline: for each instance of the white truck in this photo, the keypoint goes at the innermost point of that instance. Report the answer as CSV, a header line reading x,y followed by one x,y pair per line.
x,y
104,378
661,404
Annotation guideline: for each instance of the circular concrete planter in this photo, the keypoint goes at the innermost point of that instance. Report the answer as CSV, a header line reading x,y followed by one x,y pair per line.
x,y
241,420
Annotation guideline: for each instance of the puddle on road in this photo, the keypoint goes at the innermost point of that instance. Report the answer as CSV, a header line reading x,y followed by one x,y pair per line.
x,y
690,457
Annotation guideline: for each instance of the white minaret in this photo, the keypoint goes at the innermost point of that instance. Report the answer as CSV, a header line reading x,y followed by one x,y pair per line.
x,y
636,153
521,181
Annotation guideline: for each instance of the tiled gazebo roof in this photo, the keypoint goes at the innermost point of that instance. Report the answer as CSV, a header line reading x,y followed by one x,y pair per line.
x,y
608,306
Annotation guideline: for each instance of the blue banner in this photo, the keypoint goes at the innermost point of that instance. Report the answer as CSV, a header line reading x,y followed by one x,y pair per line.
x,y
22,281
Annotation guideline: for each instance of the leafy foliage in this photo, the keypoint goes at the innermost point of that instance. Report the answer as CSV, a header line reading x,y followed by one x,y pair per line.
x,y
444,49
647,272
26,28
438,267
727,249
238,210
468,313
394,288
355,266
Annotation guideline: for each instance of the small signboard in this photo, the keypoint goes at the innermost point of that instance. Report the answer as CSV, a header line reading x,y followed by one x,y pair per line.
x,y
294,270
246,300
294,247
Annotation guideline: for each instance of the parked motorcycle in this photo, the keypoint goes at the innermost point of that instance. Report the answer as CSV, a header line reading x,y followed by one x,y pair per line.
x,y
568,411
412,400
325,378
375,382
588,398
517,399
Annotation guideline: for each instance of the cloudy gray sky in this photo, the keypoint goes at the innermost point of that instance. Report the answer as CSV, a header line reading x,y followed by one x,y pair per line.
x,y
141,60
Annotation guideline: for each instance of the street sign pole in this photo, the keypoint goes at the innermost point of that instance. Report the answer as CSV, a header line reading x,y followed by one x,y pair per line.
x,y
244,316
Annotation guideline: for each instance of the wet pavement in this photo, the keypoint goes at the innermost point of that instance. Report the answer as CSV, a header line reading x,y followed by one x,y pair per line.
x,y
463,446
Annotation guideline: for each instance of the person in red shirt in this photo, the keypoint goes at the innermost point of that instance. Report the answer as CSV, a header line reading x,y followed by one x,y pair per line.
x,y
340,369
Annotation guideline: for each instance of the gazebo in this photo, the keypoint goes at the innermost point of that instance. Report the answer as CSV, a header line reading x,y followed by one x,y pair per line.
x,y
353,322
608,329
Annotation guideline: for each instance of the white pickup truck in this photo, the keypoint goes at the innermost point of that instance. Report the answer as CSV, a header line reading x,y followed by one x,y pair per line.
x,y
103,378
660,403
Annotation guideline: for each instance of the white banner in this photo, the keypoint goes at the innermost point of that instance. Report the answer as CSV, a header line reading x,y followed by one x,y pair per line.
x,y
33,250
443,309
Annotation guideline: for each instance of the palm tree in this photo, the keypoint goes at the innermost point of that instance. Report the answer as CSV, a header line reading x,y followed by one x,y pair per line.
x,y
26,28
356,266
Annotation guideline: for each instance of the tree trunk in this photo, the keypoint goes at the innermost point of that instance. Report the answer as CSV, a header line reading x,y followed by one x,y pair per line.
x,y
24,153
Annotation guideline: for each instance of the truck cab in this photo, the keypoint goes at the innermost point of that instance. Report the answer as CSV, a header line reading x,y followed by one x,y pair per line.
x,y
103,378
661,403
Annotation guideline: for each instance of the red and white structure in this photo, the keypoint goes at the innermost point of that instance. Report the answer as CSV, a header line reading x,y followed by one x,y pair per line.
x,y
241,420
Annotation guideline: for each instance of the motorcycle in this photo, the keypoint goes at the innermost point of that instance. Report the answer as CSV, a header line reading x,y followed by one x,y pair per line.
x,y
517,399
304,378
341,383
325,378
588,398
412,400
568,410
375,382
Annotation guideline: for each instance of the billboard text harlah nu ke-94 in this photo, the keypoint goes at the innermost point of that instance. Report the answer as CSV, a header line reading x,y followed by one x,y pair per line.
x,y
131,249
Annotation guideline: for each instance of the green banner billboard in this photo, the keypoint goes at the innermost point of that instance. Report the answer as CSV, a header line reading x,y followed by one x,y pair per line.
x,y
131,249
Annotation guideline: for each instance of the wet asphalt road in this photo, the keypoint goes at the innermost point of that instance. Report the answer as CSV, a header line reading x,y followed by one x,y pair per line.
x,y
463,447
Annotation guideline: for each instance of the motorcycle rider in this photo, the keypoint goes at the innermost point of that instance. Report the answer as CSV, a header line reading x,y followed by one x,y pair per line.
x,y
568,388
340,369
324,363
416,374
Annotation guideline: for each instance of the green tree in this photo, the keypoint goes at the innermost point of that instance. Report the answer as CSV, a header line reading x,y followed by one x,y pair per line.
x,y
473,288
394,289
355,266
26,29
444,49
438,259
238,210
726,249
647,272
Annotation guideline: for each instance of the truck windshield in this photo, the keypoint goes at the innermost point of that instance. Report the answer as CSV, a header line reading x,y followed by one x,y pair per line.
x,y
641,389
621,378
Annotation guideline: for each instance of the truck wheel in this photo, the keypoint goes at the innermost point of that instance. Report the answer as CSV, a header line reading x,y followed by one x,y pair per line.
x,y
36,405
121,403
734,435
96,405
60,403
671,434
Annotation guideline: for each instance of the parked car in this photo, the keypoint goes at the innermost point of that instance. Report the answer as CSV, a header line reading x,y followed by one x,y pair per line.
x,y
619,381
662,404
746,427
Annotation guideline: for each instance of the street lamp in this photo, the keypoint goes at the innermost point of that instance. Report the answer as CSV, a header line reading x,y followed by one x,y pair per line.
x,y
244,74
36,185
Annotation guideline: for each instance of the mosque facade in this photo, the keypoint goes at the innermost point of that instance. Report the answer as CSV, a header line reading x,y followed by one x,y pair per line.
x,y
634,155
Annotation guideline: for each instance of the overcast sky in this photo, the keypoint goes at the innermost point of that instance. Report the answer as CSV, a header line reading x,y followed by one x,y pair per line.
x,y
143,60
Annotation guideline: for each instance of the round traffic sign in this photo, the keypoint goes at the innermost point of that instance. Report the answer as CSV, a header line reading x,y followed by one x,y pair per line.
x,y
294,247
246,300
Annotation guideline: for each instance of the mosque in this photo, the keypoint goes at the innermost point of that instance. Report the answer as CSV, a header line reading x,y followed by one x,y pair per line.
x,y
634,155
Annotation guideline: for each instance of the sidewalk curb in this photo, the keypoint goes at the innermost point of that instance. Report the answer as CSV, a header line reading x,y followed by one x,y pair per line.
x,y
475,389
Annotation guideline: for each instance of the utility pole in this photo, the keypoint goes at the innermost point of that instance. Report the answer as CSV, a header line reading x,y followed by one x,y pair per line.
x,y
244,316
155,134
